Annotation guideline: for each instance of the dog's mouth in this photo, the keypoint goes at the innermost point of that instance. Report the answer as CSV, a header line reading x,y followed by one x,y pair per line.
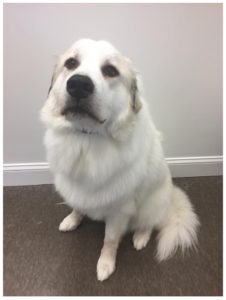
x,y
81,111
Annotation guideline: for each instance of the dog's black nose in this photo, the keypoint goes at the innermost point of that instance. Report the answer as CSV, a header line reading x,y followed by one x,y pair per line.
x,y
80,86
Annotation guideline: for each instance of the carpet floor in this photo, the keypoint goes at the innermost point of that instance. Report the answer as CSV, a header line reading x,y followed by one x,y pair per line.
x,y
41,261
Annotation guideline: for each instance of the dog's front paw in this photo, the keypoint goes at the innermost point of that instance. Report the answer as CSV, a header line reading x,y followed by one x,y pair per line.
x,y
70,223
105,267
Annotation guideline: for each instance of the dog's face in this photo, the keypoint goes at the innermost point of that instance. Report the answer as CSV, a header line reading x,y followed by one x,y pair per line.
x,y
93,89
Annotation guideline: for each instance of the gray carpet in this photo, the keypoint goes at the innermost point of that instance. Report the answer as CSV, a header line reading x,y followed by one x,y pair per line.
x,y
41,261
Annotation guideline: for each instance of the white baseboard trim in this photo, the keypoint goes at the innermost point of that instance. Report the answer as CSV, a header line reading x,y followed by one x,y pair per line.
x,y
39,173
26,174
196,166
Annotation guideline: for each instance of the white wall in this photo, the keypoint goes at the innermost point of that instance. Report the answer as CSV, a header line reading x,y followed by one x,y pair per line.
x,y
176,47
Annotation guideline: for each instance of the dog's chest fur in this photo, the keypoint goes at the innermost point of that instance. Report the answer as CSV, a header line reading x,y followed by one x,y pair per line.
x,y
91,172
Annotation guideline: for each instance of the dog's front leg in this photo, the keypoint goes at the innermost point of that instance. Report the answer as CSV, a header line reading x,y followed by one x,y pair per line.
x,y
114,230
71,222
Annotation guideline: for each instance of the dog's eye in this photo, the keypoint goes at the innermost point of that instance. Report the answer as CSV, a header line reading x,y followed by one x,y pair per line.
x,y
110,71
71,63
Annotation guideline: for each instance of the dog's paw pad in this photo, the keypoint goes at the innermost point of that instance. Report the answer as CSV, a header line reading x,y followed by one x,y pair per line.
x,y
69,223
105,267
140,240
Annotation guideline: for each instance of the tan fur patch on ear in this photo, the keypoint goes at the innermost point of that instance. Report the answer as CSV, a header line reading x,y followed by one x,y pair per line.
x,y
56,73
135,101
137,106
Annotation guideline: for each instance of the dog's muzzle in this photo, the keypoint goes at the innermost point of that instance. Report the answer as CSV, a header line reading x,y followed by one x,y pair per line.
x,y
80,88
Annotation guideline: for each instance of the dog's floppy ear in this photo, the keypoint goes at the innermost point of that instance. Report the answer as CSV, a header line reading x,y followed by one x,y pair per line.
x,y
51,84
135,97
52,79
56,72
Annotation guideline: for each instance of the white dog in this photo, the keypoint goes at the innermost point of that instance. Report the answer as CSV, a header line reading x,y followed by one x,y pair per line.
x,y
106,155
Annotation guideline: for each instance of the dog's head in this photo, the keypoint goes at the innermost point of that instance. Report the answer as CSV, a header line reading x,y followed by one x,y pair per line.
x,y
93,90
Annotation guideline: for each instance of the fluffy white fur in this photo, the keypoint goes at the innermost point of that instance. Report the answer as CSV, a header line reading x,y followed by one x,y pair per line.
x,y
114,171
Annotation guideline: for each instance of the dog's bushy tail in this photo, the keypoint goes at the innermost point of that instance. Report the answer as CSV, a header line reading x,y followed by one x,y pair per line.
x,y
180,228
